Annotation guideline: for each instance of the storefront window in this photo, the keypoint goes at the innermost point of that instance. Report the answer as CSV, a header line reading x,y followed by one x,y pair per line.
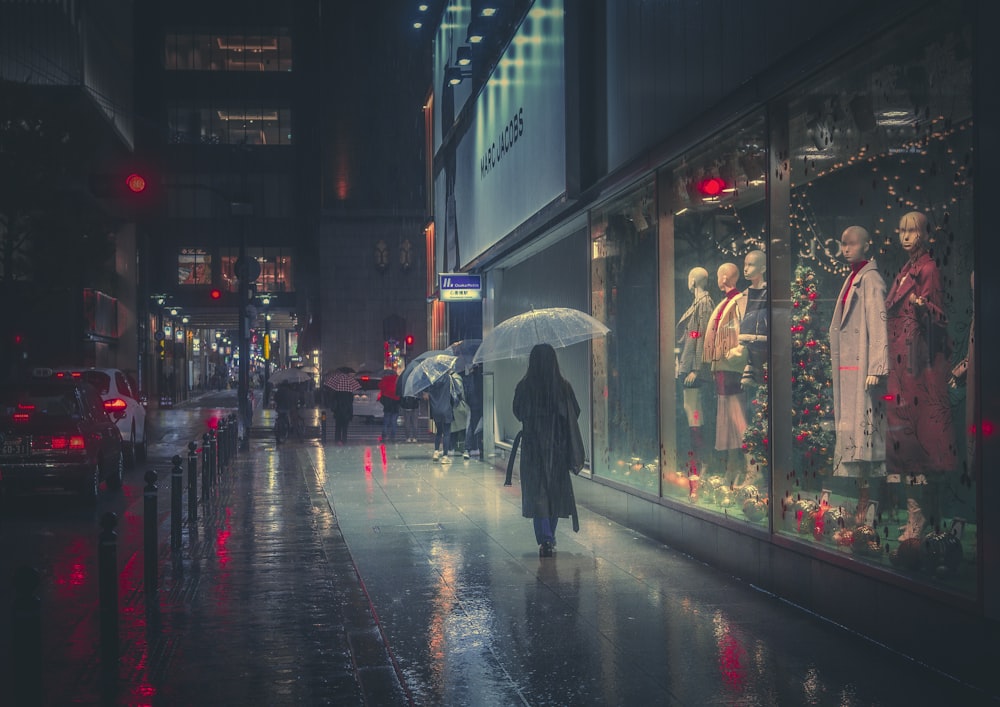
x,y
882,257
623,296
716,311
194,267
275,269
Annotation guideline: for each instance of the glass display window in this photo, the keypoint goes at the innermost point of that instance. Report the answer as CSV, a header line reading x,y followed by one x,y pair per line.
x,y
623,297
194,267
716,320
880,171
197,51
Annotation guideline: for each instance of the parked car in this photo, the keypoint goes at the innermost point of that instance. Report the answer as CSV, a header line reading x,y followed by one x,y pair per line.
x,y
56,435
120,395
366,404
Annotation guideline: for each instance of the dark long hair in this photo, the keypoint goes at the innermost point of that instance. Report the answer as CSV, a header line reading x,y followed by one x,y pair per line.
x,y
543,381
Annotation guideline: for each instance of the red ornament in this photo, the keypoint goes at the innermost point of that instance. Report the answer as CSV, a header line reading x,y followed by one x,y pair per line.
x,y
810,344
812,295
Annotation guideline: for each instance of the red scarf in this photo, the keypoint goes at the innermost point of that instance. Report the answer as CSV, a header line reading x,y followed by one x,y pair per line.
x,y
850,281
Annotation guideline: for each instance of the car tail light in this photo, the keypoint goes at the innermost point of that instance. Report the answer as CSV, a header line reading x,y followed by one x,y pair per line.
x,y
115,405
23,413
59,443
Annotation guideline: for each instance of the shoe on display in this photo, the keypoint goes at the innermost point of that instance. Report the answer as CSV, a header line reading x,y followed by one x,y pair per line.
x,y
445,459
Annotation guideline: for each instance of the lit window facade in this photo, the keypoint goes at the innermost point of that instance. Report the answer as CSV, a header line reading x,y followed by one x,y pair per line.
x,y
189,50
229,124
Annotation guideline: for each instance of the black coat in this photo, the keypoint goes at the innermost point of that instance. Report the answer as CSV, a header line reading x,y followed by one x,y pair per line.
x,y
551,448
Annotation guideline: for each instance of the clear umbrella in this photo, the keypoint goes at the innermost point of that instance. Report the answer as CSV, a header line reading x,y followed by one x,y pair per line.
x,y
290,375
401,381
556,326
427,372
465,350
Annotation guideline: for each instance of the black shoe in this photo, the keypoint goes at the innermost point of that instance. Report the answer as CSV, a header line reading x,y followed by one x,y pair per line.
x,y
545,550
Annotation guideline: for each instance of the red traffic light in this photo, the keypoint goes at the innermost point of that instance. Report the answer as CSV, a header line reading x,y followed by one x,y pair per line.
x,y
409,339
136,183
215,293
713,186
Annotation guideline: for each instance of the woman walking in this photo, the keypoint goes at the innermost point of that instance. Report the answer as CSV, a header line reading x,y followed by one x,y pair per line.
x,y
551,446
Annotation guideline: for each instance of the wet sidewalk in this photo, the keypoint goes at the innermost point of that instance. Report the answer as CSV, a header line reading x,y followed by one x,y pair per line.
x,y
371,575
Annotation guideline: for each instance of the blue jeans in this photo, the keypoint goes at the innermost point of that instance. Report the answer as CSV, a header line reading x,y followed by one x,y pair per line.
x,y
389,426
545,529
442,434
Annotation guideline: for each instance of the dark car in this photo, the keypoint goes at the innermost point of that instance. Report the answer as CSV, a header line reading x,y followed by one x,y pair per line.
x,y
56,435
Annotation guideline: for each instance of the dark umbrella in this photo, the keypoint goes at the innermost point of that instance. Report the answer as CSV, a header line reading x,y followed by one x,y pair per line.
x,y
342,381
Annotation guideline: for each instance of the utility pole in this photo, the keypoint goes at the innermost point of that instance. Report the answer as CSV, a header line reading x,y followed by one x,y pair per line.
x,y
247,271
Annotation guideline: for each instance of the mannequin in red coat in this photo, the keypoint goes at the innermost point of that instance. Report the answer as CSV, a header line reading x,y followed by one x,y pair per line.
x,y
920,445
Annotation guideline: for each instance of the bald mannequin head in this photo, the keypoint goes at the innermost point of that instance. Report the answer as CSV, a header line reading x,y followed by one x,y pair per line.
x,y
854,244
698,279
728,275
754,267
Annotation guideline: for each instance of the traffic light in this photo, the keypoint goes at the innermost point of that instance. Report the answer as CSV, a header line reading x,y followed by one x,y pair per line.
x,y
408,343
215,294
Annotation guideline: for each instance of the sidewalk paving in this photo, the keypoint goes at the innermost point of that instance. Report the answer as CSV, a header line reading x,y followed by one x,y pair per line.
x,y
370,575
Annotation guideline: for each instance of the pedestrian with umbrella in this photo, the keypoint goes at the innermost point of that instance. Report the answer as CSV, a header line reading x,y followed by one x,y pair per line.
x,y
551,446
443,395
390,404
343,386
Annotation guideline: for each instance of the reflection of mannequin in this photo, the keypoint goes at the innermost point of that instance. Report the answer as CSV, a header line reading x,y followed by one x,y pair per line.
x,y
691,367
921,442
859,356
754,325
727,359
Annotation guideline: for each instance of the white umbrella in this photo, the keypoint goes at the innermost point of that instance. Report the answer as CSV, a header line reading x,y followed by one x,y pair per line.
x,y
427,372
289,375
556,326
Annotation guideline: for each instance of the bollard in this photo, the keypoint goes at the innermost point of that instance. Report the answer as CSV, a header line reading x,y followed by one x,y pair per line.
x,y
221,434
107,563
205,467
192,484
234,438
151,549
322,425
176,501
213,456
26,637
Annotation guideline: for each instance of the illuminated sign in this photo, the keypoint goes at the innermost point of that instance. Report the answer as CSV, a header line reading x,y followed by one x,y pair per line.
x,y
459,287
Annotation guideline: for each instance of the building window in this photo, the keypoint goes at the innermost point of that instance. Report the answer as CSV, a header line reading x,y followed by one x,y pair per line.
x,y
186,50
276,272
229,124
880,146
194,267
623,296
715,313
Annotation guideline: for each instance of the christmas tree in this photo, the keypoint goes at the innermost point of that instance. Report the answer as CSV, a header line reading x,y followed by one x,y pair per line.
x,y
812,405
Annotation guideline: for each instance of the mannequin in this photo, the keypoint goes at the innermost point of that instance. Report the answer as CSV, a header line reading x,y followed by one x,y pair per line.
x,y
692,369
921,442
859,357
727,360
754,325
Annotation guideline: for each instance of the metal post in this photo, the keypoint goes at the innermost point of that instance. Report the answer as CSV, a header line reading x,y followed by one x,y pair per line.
x,y
213,456
322,425
221,439
192,485
176,498
206,468
26,637
151,546
108,589
234,439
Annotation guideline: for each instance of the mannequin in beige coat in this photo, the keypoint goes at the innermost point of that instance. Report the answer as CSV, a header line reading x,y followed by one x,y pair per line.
x,y
859,355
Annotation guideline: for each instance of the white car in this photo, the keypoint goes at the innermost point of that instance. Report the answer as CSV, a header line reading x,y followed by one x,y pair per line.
x,y
366,404
121,401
